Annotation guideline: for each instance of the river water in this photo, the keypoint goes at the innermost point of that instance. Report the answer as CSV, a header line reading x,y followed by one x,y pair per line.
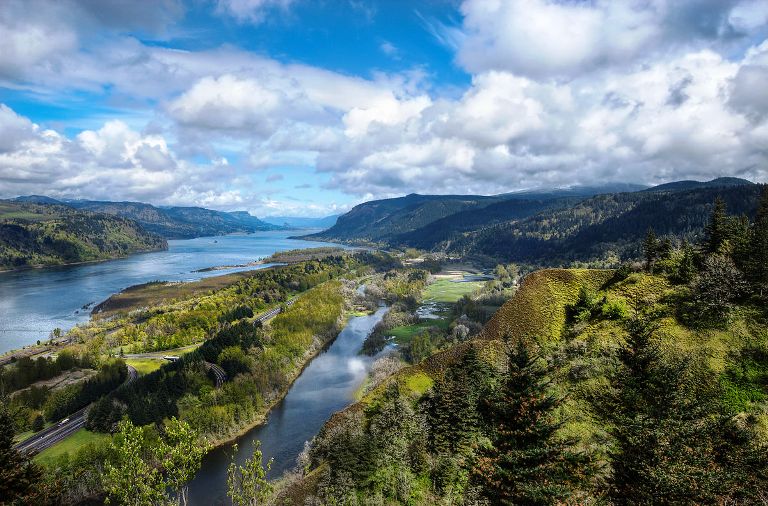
x,y
326,385
36,301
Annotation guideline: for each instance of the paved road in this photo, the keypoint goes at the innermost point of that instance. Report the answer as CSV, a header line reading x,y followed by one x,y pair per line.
x,y
274,312
55,433
64,428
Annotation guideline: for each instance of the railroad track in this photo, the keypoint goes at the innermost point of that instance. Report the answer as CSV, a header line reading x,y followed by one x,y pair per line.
x,y
219,375
274,312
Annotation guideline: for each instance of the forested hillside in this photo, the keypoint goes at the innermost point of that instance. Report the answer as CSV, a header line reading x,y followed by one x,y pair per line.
x,y
606,228
377,221
170,222
35,234
544,229
587,387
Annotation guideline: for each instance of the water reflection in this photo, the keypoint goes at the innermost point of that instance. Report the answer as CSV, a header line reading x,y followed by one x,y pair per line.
x,y
327,385
34,302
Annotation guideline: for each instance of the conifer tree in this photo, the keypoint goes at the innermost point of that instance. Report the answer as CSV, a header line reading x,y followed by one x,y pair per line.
x,y
716,230
687,269
527,463
650,248
454,407
20,478
758,247
662,449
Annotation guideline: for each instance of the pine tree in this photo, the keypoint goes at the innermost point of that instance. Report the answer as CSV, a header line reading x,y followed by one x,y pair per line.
x,y
662,434
454,407
650,249
717,228
687,270
20,479
758,247
527,463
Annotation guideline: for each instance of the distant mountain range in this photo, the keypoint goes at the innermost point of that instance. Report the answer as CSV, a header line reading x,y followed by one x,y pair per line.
x,y
549,227
301,222
169,222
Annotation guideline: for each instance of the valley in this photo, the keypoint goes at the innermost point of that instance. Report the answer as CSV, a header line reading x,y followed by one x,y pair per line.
x,y
332,366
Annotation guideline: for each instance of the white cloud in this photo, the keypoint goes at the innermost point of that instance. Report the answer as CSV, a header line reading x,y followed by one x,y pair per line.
x,y
549,38
561,93
253,11
14,129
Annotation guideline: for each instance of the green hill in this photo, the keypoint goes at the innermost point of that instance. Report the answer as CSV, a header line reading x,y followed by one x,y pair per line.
x,y
578,320
378,220
543,228
169,222
36,234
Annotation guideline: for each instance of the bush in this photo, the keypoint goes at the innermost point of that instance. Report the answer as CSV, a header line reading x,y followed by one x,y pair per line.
x,y
615,309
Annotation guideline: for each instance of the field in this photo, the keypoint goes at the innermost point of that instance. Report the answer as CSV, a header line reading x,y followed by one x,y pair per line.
x,y
69,445
146,365
405,333
449,291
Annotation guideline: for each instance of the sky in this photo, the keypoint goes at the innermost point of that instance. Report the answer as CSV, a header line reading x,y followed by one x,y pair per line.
x,y
309,107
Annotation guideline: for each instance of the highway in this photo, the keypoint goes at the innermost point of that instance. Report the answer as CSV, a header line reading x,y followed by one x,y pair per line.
x,y
63,428
274,312
55,433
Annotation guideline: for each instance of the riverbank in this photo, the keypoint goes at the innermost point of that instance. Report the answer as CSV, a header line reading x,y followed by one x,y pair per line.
x,y
33,302
31,267
325,385
261,419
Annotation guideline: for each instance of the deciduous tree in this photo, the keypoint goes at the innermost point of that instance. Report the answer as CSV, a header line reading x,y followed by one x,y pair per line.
x,y
247,485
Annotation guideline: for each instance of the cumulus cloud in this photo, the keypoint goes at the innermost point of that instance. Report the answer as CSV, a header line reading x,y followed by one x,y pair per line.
x,y
514,132
561,93
547,38
111,162
41,36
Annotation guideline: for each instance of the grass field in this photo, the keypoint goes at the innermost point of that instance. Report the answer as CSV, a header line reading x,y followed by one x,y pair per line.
x,y
69,445
449,291
405,333
146,365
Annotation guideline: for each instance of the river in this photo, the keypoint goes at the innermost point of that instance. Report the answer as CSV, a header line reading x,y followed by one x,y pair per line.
x,y
34,302
325,386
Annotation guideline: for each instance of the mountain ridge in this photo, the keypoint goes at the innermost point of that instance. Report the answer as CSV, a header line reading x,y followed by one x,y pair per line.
x,y
172,222
547,227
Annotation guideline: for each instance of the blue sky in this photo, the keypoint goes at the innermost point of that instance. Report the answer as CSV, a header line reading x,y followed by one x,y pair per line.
x,y
306,107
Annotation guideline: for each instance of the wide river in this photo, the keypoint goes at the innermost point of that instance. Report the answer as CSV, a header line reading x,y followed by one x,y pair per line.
x,y
326,385
34,302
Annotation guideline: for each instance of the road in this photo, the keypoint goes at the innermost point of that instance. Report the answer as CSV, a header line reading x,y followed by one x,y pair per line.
x,y
64,428
274,312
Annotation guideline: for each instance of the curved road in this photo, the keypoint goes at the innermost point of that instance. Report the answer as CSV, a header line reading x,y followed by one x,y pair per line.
x,y
64,428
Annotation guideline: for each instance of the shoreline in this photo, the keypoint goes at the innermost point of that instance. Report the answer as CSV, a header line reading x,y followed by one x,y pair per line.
x,y
261,419
84,262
